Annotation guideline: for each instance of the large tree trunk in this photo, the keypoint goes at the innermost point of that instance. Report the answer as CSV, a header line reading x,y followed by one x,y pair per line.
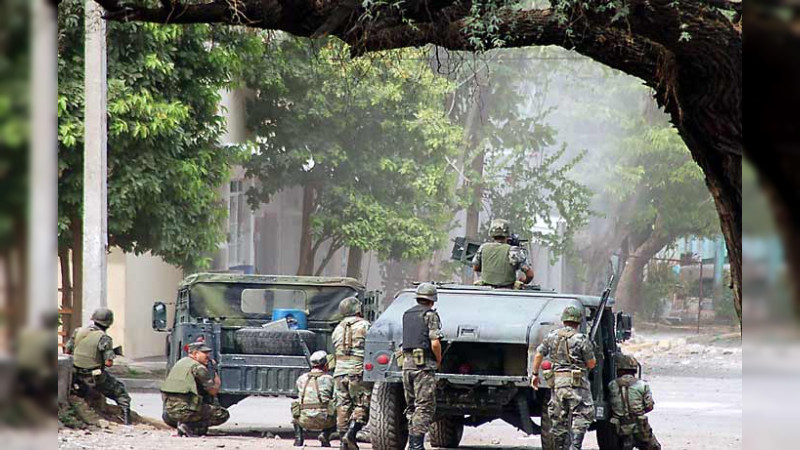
x,y
306,266
354,257
628,296
76,229
66,288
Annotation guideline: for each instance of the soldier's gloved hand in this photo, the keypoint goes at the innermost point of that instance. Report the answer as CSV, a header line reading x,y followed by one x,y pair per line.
x,y
518,285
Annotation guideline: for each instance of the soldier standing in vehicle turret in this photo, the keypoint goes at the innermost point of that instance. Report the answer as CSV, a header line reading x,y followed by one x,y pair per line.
x,y
571,354
189,391
313,410
352,392
631,399
92,351
422,355
497,262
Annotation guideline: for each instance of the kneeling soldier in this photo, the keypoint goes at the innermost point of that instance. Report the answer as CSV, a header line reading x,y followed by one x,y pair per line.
x,y
314,409
188,394
93,352
631,399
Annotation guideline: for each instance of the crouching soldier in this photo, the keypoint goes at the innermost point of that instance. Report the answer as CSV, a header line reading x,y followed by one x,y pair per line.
x,y
188,394
314,409
92,353
631,399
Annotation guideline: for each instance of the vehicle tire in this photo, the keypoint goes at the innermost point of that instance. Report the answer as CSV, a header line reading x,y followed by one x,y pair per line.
x,y
255,341
387,419
446,432
547,437
607,438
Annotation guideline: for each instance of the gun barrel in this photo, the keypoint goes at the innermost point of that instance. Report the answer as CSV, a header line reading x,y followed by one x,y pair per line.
x,y
601,308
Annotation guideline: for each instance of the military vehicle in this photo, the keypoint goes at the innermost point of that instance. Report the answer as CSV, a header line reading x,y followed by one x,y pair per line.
x,y
234,314
491,336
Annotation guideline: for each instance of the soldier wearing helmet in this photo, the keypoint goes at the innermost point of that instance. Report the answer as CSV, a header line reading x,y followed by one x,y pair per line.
x,y
631,399
572,357
315,409
352,392
498,261
422,355
92,353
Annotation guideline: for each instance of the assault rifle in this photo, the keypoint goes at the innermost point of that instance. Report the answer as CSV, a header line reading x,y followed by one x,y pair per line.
x,y
601,307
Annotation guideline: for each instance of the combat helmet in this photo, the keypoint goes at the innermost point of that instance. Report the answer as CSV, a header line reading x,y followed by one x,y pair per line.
x,y
626,362
572,314
499,228
318,358
103,317
350,307
428,291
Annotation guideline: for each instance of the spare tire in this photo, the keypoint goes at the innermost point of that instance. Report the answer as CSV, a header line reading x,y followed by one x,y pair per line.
x,y
257,341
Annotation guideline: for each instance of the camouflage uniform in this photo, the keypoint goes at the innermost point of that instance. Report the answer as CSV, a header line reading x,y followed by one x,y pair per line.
x,y
188,404
352,392
315,396
631,399
87,377
498,262
419,382
569,351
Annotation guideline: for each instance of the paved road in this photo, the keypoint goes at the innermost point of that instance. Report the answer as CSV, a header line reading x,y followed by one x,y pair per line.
x,y
691,413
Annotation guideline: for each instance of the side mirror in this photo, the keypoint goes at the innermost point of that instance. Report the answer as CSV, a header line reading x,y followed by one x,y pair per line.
x,y
159,316
624,326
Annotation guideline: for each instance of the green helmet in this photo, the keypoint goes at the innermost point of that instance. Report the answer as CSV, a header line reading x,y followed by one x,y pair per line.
x,y
499,228
626,362
103,317
318,358
350,307
572,314
428,291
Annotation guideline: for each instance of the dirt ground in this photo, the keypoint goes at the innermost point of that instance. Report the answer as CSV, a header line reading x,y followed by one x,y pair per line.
x,y
697,385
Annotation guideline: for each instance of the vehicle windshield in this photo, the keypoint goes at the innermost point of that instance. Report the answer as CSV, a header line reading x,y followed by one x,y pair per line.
x,y
243,302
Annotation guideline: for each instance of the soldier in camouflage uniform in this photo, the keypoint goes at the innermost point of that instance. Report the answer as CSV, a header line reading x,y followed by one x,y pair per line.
x,y
631,399
93,351
189,394
352,392
314,408
498,262
422,355
571,354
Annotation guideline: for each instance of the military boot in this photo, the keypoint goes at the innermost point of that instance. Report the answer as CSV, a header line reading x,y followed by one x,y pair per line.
x,y
577,441
126,416
349,439
416,442
184,430
298,436
325,437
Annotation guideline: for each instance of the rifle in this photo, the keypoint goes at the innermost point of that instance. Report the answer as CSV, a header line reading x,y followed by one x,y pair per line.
x,y
603,301
306,352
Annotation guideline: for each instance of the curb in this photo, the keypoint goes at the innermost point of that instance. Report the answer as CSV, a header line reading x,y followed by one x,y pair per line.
x,y
141,384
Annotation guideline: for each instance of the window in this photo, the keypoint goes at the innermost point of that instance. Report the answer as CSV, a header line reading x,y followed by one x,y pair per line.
x,y
260,301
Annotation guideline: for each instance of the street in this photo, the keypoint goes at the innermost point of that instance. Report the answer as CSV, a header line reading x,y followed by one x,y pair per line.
x,y
690,413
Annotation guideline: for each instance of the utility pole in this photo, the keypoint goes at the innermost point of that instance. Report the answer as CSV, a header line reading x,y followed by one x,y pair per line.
x,y
700,298
95,233
43,181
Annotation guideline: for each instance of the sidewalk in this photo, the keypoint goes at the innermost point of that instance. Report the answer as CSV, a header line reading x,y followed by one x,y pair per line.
x,y
144,374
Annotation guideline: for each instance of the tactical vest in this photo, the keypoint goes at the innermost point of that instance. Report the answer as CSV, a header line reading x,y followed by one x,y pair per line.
x,y
347,345
86,354
313,377
624,390
415,330
562,355
495,267
181,379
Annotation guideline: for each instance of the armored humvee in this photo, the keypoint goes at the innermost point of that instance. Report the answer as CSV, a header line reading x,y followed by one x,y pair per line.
x,y
230,311
491,336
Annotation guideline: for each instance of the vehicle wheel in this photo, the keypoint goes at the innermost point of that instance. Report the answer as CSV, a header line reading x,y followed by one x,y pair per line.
x,y
607,438
547,425
446,432
255,341
387,420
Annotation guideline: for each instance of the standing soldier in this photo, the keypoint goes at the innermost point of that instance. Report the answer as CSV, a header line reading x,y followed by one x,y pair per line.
x,y
631,399
314,408
422,355
189,392
93,352
571,354
498,262
352,392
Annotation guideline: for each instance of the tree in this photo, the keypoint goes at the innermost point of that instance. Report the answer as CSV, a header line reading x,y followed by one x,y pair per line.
x,y
165,163
365,139
688,51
